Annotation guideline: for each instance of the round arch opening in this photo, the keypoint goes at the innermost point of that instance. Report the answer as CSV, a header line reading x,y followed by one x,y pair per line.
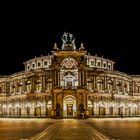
x,y
69,106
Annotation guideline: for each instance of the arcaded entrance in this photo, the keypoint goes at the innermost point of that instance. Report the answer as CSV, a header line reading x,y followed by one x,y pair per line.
x,y
69,106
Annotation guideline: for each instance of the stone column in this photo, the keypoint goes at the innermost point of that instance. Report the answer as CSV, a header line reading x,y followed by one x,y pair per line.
x,y
122,86
58,78
43,83
16,86
53,99
33,85
53,82
23,85
104,84
54,77
128,87
114,84
11,89
95,108
95,82
85,81
43,108
77,103
82,78
87,60
61,103
134,87
54,103
95,62
84,101
79,77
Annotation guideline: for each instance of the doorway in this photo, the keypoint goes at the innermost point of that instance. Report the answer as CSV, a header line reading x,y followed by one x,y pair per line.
x,y
111,110
102,111
69,110
69,106
37,111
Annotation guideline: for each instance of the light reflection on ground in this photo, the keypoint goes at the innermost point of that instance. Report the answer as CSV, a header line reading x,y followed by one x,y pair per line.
x,y
120,129
15,129
124,129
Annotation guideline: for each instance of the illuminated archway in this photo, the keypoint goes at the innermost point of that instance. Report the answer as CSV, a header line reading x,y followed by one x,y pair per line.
x,y
69,106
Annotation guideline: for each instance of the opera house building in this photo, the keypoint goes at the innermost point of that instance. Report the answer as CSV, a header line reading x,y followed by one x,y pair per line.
x,y
69,82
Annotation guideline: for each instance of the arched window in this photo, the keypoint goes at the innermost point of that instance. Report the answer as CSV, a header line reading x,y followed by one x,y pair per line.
x,y
70,80
118,86
125,87
89,84
38,85
90,103
100,84
110,85
20,87
49,104
14,88
28,86
49,84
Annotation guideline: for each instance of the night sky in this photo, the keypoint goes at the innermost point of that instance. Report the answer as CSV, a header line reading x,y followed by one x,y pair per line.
x,y
26,33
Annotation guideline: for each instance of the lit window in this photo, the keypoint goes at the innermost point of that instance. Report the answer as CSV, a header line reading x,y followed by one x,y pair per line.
x,y
28,86
92,62
138,89
99,63
33,65
45,63
38,87
100,84
39,64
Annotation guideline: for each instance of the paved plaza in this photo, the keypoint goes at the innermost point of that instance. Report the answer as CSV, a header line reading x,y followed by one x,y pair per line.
x,y
70,129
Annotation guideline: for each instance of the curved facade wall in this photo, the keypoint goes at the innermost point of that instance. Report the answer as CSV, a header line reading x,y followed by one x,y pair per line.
x,y
67,83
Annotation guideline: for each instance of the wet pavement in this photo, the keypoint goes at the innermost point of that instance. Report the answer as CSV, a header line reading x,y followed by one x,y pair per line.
x,y
70,129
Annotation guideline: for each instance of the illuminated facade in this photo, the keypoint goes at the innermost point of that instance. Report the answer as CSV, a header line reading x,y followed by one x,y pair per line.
x,y
69,82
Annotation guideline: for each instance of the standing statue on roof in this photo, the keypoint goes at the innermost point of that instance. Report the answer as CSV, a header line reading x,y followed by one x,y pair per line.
x,y
68,38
